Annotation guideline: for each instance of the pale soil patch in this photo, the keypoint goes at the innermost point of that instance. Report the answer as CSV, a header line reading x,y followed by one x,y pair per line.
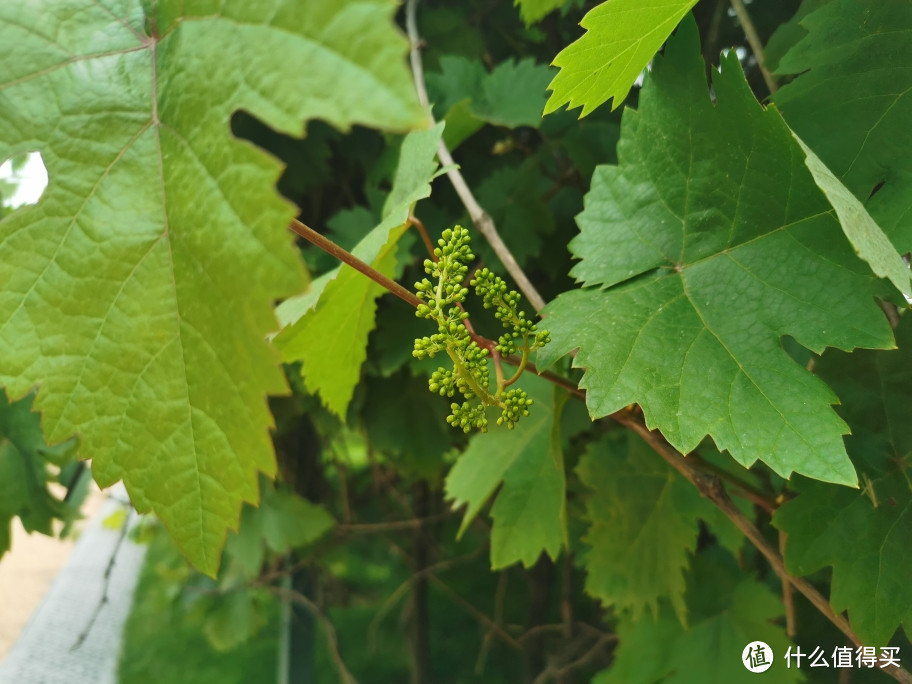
x,y
26,573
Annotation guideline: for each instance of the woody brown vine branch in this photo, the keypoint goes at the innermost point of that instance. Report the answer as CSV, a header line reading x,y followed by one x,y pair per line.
x,y
347,257
482,220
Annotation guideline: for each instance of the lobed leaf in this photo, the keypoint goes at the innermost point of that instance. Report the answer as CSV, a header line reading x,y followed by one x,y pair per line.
x,y
138,292
24,472
708,243
641,515
527,464
621,37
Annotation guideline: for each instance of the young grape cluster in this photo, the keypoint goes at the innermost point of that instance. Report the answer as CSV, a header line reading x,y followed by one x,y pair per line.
x,y
442,300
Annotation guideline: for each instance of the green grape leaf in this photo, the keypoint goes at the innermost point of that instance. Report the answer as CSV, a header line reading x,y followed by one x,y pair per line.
x,y
788,34
643,515
345,301
527,464
533,11
866,536
621,37
852,102
282,521
139,291
24,475
708,243
511,95
869,241
728,611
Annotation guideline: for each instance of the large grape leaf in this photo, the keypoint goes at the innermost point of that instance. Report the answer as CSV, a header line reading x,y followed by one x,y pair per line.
x,y
24,472
527,464
621,37
643,515
853,102
728,611
866,536
327,327
709,241
139,291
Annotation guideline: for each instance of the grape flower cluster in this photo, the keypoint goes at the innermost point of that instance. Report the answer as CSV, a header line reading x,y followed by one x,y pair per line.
x,y
442,297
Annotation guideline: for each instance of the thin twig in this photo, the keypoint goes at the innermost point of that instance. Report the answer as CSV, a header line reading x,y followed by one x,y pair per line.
x,y
788,599
331,637
552,672
479,615
710,486
105,583
401,590
538,630
553,378
499,595
479,216
392,525
744,490
425,238
331,247
753,39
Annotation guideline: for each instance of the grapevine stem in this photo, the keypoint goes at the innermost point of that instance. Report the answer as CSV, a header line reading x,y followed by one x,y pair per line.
x,y
753,39
498,371
479,216
522,362
425,238
332,248
486,397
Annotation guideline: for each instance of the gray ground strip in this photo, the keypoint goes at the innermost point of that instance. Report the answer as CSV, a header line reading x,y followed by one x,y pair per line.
x,y
47,651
